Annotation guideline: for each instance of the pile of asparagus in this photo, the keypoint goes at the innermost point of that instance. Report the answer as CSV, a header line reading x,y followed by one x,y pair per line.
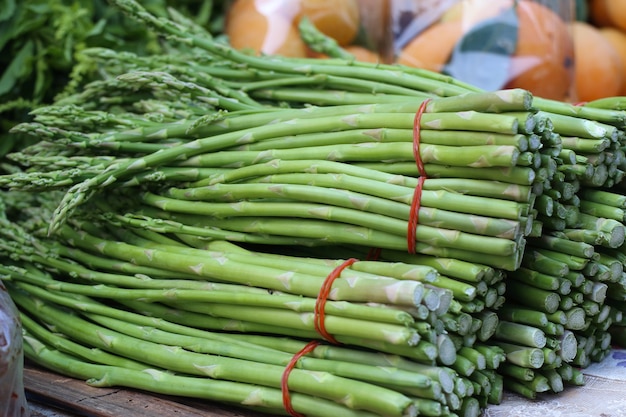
x,y
93,290
193,205
574,264
166,223
187,315
340,173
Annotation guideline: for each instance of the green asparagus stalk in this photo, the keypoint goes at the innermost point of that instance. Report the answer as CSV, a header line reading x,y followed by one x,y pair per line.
x,y
213,366
538,299
153,380
524,356
200,266
522,334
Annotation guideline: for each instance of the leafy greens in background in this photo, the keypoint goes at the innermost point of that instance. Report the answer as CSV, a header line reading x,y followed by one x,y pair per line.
x,y
40,40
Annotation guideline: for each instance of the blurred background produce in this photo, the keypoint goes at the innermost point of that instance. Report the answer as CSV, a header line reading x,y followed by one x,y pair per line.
x,y
571,50
607,18
272,26
41,41
490,44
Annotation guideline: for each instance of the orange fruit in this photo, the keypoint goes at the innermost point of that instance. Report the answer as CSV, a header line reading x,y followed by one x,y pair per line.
x,y
599,71
544,57
616,10
617,38
338,19
432,48
265,26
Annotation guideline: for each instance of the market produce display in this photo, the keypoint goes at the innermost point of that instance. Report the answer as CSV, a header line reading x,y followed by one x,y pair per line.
x,y
313,236
41,41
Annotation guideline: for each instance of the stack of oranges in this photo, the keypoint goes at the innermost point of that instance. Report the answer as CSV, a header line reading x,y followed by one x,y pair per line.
x,y
271,26
601,50
555,56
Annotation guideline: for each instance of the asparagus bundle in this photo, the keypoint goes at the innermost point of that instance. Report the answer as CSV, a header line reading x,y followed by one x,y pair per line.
x,y
417,331
198,149
46,277
470,323
606,328
426,335
480,383
556,300
598,222
346,194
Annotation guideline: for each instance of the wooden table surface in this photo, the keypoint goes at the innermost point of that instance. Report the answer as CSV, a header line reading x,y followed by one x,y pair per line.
x,y
53,395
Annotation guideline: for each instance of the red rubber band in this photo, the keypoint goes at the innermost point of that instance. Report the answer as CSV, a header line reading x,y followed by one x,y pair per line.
x,y
374,254
322,297
414,215
417,129
417,194
320,303
283,381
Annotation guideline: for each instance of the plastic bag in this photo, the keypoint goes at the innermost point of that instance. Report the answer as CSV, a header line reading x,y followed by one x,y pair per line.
x,y
271,27
12,397
491,44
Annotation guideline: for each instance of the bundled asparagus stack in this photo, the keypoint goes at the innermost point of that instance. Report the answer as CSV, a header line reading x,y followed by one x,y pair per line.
x,y
607,326
599,223
347,190
561,287
424,340
75,272
293,180
467,225
197,149
470,322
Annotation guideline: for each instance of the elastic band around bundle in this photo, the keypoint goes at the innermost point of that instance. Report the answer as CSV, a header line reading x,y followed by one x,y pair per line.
x,y
417,194
285,377
416,203
417,130
322,297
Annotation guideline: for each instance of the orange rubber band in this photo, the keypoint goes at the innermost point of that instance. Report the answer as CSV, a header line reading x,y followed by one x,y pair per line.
x,y
417,129
283,381
417,194
414,216
322,297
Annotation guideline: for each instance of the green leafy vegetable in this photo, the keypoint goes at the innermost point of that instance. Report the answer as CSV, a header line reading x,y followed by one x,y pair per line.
x,y
41,41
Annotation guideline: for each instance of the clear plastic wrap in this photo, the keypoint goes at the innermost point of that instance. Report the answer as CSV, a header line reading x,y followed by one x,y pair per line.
x,y
271,27
492,44
12,398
